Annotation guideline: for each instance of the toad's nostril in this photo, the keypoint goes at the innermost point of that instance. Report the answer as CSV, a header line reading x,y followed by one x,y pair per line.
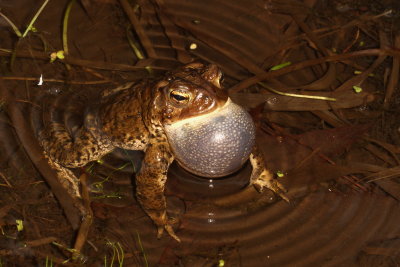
x,y
215,144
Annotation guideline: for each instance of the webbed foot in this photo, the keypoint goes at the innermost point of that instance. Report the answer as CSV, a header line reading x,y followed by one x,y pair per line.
x,y
170,231
163,223
266,180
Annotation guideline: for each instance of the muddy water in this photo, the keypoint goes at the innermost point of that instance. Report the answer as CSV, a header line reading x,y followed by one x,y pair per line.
x,y
225,220
220,222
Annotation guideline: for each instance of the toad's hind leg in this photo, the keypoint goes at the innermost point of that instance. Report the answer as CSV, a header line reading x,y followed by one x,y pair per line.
x,y
72,151
64,151
261,177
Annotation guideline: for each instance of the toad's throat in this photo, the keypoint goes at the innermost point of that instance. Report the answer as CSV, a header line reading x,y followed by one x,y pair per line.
x,y
214,144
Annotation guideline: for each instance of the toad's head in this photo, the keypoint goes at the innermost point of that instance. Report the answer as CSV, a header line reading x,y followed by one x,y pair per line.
x,y
209,134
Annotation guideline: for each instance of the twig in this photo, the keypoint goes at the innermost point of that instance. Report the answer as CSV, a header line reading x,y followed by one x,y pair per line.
x,y
54,80
219,45
144,39
87,219
394,76
325,32
5,180
350,178
310,34
301,65
385,146
82,62
357,35
359,79
171,31
54,259
40,242
391,149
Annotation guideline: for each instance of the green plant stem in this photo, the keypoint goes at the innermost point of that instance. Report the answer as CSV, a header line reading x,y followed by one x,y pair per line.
x,y
142,249
34,18
65,26
14,54
296,95
17,32
133,45
120,254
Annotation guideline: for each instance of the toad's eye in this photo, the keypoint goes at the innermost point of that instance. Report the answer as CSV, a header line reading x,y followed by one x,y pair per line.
x,y
179,96
221,78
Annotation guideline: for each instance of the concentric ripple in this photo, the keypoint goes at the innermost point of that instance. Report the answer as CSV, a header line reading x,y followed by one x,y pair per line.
x,y
225,219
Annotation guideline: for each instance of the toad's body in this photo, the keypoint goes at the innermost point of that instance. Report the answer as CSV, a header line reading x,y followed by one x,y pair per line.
x,y
135,117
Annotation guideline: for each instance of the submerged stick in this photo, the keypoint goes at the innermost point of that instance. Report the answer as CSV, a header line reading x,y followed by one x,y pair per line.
x,y
301,65
83,62
144,39
86,222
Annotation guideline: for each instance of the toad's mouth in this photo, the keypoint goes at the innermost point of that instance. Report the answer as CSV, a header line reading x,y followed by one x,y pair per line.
x,y
215,144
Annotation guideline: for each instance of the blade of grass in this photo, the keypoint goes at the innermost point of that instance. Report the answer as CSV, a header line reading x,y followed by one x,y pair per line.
x,y
281,66
134,47
144,39
14,53
120,254
65,26
113,255
34,18
17,32
296,95
142,249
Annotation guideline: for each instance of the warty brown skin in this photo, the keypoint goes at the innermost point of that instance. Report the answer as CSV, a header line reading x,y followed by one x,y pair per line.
x,y
133,117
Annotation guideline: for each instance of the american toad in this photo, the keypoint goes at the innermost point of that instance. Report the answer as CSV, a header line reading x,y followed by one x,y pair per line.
x,y
185,115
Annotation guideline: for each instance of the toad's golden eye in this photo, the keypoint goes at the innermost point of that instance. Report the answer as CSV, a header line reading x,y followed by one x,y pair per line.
x,y
179,96
221,78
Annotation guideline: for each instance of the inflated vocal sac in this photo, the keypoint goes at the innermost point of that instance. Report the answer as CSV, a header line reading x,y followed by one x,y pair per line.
x,y
215,144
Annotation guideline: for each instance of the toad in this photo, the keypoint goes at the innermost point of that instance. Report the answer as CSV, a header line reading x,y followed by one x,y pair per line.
x,y
185,116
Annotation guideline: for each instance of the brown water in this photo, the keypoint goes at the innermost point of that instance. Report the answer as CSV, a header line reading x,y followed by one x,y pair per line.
x,y
334,218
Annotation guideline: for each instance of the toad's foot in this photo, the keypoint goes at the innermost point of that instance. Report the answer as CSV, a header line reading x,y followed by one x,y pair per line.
x,y
170,231
262,178
266,180
163,223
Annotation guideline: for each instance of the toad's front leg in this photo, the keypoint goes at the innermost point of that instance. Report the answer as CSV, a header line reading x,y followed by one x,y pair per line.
x,y
150,184
261,177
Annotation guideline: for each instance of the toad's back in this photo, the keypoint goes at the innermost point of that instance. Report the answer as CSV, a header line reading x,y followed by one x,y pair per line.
x,y
121,117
